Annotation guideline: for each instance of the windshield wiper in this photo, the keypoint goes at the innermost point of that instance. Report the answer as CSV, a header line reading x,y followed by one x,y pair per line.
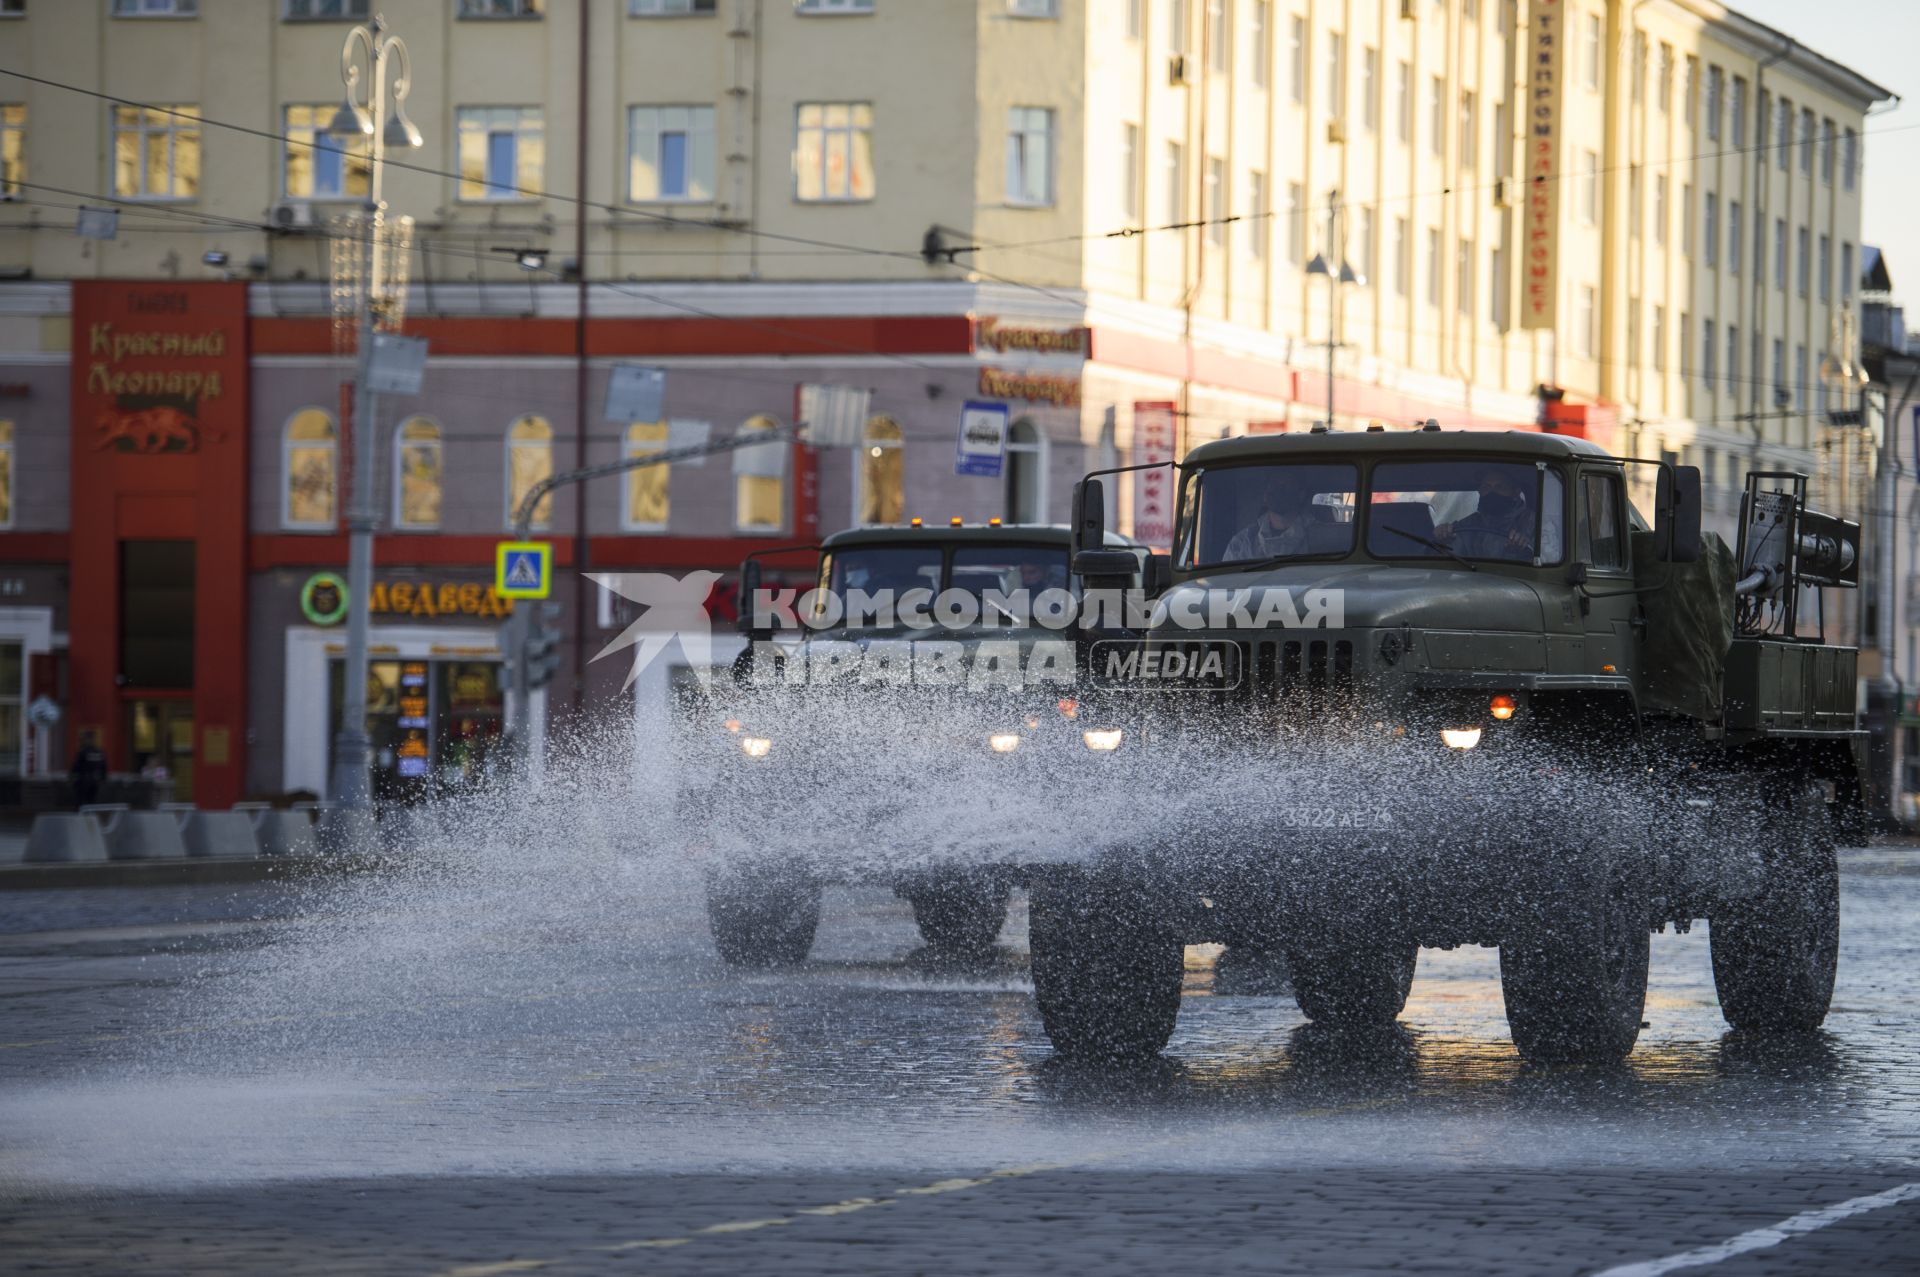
x,y
1441,546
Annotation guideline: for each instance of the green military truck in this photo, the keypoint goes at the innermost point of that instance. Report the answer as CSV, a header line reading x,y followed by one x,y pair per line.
x,y
1518,714
805,742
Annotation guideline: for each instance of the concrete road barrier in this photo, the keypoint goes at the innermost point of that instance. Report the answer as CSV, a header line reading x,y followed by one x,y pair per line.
x,y
219,833
145,835
347,831
65,837
285,833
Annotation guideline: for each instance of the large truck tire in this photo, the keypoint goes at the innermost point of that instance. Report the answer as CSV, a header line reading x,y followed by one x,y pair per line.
x,y
1106,969
1775,953
1359,983
959,915
764,916
1573,966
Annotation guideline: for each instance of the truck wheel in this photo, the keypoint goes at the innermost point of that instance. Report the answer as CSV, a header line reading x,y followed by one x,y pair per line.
x,y
1774,955
960,915
1574,969
763,917
1358,984
1106,971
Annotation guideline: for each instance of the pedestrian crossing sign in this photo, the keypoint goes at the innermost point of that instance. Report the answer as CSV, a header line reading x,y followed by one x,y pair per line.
x,y
523,569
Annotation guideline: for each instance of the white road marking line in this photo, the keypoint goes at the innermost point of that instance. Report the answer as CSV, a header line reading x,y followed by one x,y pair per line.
x,y
1773,1235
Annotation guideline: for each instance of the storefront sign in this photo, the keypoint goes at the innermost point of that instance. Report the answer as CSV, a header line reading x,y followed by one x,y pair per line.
x,y
323,599
982,446
1153,443
1541,168
1002,383
991,334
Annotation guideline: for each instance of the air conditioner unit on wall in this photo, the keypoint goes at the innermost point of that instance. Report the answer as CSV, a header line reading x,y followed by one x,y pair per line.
x,y
1409,9
292,215
1503,192
1178,71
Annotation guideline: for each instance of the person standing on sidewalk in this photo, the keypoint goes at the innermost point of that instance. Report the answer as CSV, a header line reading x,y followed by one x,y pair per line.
x,y
89,770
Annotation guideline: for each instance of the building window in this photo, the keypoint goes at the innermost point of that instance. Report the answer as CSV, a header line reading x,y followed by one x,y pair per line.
x,y
1709,354
1260,65
1136,18
1850,159
1026,473
1214,198
1402,251
669,154
1780,391
1738,106
1030,156
1336,75
1368,248
155,8
325,10
1257,219
1497,286
501,8
1370,89
311,449
668,8
1177,26
1716,101
1219,42
1590,188
1463,267
1660,209
1805,245
1690,108
881,465
1713,228
1636,209
1657,337
502,152
1806,142
13,148
418,468
1591,59
1296,224
1735,243
1785,140
1665,99
1437,116
1585,321
1403,101
1034,8
1763,126
1826,152
645,504
1686,218
833,154
1800,378
529,460
156,152
1826,268
1297,61
1433,267
759,481
1639,88
1502,140
1469,131
1733,360
833,6
1130,172
1846,272
1176,179
321,165
1780,253
6,474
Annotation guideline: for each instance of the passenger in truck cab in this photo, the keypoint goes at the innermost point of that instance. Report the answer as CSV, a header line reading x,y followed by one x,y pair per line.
x,y
1501,525
1280,530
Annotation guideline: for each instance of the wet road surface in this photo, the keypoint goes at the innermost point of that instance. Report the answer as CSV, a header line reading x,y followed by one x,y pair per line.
x,y
502,1076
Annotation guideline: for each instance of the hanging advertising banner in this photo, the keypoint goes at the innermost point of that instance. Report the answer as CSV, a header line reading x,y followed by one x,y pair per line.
x,y
982,445
1153,443
1540,167
636,393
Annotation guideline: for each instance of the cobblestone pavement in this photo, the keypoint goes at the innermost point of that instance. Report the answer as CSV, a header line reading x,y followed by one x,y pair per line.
x,y
505,1075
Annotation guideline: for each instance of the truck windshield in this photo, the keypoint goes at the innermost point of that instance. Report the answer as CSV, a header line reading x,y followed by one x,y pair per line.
x,y
1006,568
1258,513
1468,509
873,568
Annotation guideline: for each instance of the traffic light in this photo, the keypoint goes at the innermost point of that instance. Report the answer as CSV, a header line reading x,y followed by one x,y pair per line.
x,y
543,645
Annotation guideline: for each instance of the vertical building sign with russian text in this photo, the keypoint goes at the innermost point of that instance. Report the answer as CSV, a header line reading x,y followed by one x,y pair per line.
x,y
1153,442
1541,169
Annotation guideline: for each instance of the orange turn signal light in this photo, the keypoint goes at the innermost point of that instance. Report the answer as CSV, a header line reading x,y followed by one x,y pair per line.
x,y
1069,708
914,521
994,522
955,521
1501,707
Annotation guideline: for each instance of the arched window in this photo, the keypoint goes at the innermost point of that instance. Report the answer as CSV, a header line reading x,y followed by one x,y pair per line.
x,y
880,473
312,463
529,460
648,504
1026,473
6,474
417,470
760,482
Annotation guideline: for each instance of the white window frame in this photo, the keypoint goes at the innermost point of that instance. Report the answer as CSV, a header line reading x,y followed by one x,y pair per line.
x,y
518,188
628,448
1213,201
1021,137
364,7
153,8
1033,8
1130,176
348,148
852,132
1041,450
784,478
518,10
1174,171
698,130
831,8
508,446
287,521
173,127
672,8
1257,215
1260,64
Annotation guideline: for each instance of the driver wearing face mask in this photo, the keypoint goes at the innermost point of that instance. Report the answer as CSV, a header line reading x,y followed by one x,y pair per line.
x,y
1501,526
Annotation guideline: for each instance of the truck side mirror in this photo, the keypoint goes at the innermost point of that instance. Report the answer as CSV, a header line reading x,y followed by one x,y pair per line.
x,y
749,590
1676,513
1156,575
1089,531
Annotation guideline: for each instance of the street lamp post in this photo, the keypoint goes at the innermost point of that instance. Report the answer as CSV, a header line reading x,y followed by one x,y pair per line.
x,y
366,112
1322,264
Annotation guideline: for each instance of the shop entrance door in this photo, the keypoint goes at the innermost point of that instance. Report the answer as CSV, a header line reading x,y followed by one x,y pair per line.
x,y
160,735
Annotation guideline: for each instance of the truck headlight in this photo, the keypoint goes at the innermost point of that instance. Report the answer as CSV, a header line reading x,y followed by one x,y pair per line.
x,y
1460,737
755,746
1003,742
1102,740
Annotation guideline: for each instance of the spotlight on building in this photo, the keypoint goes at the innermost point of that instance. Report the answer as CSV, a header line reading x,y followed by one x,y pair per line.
x,y
214,257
